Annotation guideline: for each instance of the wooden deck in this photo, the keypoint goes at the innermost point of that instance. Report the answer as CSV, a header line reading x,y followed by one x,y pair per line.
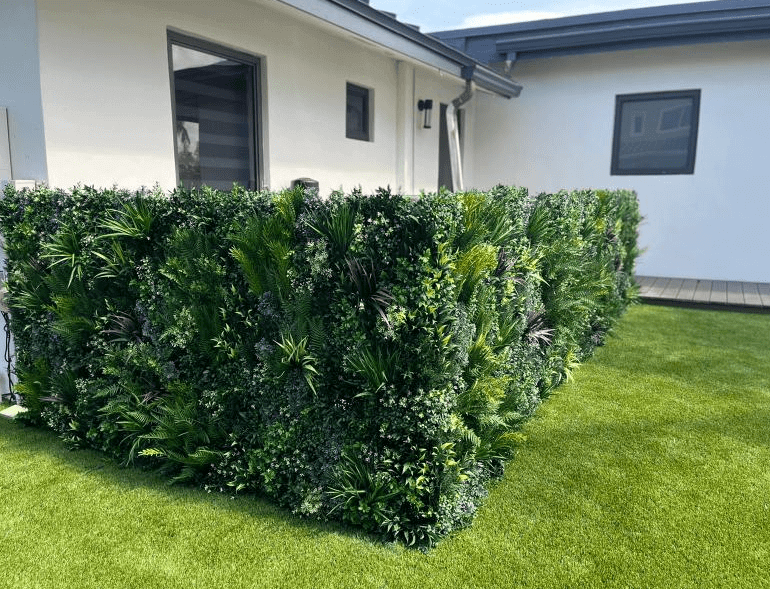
x,y
749,296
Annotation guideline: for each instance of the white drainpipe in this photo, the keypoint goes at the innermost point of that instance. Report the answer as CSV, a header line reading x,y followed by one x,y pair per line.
x,y
455,156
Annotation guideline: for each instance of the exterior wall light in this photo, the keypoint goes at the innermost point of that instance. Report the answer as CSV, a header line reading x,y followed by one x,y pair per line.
x,y
427,106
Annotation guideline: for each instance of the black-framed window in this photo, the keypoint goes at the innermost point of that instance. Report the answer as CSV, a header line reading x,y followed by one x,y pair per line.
x,y
655,133
357,112
215,96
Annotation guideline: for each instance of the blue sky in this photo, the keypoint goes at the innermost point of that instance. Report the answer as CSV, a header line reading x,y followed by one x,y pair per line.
x,y
437,15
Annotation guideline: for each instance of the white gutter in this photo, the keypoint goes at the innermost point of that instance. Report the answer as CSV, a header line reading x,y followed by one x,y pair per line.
x,y
455,155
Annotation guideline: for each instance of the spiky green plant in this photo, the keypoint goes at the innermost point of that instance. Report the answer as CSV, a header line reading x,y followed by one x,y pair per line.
x,y
361,494
134,220
295,354
337,225
66,248
474,265
376,367
30,292
117,262
363,278
485,220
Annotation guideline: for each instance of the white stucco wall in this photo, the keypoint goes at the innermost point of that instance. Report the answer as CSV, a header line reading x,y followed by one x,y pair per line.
x,y
107,99
23,152
558,134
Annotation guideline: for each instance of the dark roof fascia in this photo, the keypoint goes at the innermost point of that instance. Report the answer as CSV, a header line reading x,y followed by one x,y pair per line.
x,y
483,76
683,28
642,44
702,22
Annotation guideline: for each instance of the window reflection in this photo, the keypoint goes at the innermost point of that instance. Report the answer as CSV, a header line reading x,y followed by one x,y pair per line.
x,y
214,123
655,133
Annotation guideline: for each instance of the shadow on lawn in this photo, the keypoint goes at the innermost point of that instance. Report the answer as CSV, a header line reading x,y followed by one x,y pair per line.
x,y
15,438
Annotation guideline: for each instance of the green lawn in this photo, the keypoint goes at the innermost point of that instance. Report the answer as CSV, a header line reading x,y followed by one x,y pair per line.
x,y
651,469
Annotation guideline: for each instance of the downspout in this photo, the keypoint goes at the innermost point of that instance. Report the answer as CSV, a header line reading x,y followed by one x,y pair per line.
x,y
500,83
455,155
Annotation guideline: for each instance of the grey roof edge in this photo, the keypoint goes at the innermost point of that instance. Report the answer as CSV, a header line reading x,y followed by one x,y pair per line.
x,y
625,31
489,80
693,8
641,44
482,75
723,20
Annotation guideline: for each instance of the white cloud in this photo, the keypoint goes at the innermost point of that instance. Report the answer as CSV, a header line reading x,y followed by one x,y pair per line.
x,y
505,18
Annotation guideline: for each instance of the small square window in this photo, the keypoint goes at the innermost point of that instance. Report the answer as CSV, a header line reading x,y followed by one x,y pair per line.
x,y
357,113
666,144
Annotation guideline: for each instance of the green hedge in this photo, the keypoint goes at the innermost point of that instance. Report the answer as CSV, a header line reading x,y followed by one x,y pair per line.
x,y
364,358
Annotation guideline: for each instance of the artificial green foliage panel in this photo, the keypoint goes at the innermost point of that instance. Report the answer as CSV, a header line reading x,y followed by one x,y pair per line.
x,y
367,358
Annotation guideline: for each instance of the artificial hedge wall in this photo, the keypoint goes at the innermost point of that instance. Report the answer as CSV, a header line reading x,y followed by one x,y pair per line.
x,y
362,358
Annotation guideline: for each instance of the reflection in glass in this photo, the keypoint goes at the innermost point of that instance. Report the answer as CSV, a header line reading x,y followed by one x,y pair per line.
x,y
214,106
664,143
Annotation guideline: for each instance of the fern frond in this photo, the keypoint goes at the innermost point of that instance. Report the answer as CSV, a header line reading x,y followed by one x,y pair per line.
x,y
473,265
152,452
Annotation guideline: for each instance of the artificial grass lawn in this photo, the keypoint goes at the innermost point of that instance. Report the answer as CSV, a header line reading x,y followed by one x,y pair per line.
x,y
651,469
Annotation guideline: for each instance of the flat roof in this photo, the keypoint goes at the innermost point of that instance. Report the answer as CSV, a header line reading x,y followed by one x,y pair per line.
x,y
678,24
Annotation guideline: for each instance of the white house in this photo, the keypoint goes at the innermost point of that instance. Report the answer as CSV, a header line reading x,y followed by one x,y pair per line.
x,y
267,91
262,92
671,101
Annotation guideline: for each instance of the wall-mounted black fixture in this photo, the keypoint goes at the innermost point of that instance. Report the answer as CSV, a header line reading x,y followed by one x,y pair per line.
x,y
427,107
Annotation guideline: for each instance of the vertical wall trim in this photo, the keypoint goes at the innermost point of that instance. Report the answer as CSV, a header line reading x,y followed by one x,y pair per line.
x,y
405,106
6,175
6,172
413,127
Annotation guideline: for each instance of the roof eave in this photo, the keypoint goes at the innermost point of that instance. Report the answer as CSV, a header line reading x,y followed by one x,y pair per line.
x,y
708,9
405,39
620,32
682,24
491,81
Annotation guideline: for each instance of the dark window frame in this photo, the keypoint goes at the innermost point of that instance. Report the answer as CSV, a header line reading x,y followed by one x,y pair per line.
x,y
366,94
623,99
255,96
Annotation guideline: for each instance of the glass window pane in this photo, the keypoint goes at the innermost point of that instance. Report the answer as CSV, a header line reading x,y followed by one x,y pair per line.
x,y
214,135
357,113
655,135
